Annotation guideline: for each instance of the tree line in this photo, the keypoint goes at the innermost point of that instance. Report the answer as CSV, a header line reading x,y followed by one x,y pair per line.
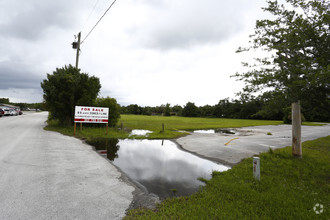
x,y
265,107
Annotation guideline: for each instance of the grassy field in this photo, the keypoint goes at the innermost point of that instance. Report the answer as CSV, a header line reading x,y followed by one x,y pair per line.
x,y
289,189
172,126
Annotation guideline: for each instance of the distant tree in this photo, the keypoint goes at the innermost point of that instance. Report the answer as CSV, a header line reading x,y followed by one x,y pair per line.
x,y
4,100
206,111
114,109
190,110
221,110
147,110
160,109
272,106
177,109
66,88
167,110
134,109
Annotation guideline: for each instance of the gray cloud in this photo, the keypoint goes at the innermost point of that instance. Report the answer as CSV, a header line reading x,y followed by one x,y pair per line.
x,y
132,50
30,19
190,23
14,75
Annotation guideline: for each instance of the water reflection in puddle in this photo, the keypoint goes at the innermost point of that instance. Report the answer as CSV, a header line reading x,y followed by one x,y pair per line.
x,y
212,131
162,169
140,132
218,131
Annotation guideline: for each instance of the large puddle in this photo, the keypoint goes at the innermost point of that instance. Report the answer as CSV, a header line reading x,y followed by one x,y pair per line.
x,y
225,131
160,166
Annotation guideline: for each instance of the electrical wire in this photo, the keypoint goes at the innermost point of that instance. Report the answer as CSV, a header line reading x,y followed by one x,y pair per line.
x,y
90,14
98,21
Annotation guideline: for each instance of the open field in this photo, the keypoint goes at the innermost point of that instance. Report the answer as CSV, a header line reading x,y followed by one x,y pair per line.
x,y
289,189
172,125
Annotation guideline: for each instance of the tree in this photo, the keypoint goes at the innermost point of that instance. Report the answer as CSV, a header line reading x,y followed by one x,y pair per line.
x,y
177,109
273,106
114,109
4,100
221,109
300,47
206,111
298,42
167,110
66,88
190,110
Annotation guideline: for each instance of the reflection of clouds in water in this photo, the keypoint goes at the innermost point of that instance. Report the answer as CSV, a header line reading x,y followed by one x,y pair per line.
x,y
141,160
140,132
204,131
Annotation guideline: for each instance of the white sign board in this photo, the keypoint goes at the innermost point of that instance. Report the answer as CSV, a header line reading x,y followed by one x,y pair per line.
x,y
87,114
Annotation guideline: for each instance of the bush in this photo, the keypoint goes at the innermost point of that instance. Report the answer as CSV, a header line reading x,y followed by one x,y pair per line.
x,y
114,109
66,88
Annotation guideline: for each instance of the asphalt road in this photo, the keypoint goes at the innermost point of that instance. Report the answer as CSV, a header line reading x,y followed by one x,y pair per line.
x,y
45,175
230,149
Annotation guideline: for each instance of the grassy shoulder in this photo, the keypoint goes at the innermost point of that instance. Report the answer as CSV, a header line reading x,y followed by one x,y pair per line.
x,y
173,126
289,189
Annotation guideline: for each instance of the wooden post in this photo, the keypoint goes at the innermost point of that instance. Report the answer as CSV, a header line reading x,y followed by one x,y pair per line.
x,y
74,128
296,130
163,134
107,128
80,126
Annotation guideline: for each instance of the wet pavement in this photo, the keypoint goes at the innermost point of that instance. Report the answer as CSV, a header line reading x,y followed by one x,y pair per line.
x,y
230,149
46,175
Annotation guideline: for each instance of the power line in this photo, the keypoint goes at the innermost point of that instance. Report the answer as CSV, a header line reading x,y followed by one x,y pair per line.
x,y
98,21
96,2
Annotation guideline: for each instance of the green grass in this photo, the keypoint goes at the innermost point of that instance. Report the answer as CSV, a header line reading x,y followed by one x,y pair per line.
x,y
289,189
172,125
313,123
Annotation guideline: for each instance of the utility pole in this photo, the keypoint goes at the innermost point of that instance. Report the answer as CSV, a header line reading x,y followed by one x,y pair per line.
x,y
78,50
76,45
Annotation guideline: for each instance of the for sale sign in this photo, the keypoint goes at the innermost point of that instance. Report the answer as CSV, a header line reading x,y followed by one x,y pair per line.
x,y
87,114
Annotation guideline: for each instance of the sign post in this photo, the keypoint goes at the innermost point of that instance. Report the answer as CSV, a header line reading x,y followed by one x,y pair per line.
x,y
86,114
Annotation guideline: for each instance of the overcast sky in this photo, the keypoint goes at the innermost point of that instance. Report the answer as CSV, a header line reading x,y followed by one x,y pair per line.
x,y
145,52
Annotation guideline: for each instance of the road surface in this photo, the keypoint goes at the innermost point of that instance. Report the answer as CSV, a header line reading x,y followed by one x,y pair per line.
x,y
230,149
45,175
